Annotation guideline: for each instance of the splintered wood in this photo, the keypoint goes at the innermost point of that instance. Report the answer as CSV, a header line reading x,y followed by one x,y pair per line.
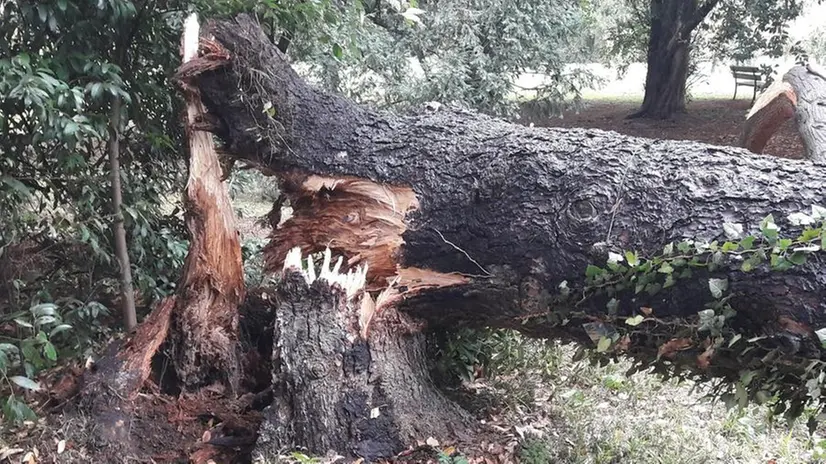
x,y
361,220
212,284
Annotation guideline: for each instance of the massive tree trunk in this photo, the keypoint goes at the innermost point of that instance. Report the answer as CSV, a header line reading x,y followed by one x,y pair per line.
x,y
672,23
461,219
797,95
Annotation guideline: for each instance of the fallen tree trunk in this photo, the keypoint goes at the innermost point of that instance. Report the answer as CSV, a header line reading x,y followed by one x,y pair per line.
x,y
463,219
797,95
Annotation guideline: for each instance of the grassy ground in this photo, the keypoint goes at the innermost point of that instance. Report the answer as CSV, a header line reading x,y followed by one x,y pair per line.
x,y
598,415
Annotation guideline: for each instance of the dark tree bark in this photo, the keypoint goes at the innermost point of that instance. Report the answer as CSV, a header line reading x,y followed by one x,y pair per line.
x,y
467,220
797,95
672,23
334,390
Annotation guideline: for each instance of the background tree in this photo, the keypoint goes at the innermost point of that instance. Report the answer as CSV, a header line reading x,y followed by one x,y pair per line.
x,y
675,36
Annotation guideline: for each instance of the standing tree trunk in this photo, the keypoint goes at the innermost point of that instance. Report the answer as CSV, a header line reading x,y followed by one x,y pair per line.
x,y
465,220
672,23
121,250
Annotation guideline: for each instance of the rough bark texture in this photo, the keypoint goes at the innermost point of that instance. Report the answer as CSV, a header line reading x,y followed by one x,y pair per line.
x,y
465,219
672,22
336,391
205,322
800,95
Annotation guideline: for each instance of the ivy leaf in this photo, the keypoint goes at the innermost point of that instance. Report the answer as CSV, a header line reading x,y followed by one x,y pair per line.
x,y
684,246
631,258
25,382
665,269
768,228
717,287
733,231
797,258
635,321
593,271
801,219
668,249
612,306
603,345
747,243
821,335
669,281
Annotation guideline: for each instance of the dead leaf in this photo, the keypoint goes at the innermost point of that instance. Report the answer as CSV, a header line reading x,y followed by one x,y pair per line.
x,y
646,310
7,452
704,359
29,458
374,413
672,346
432,442
61,446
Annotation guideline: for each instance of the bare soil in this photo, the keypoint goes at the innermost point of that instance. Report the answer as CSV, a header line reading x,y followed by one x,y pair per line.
x,y
717,122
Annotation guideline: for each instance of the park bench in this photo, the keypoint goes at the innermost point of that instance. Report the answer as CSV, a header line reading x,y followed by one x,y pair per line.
x,y
747,76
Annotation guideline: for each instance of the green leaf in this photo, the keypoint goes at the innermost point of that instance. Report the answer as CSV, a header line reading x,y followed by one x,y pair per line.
x,y
635,321
49,351
665,269
338,52
684,246
747,243
15,185
593,271
668,250
818,212
612,306
631,258
821,335
17,411
669,281
59,329
729,246
784,243
603,345
797,258
717,287
43,309
25,382
733,231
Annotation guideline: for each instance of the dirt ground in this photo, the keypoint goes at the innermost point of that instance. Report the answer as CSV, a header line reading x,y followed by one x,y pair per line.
x,y
717,122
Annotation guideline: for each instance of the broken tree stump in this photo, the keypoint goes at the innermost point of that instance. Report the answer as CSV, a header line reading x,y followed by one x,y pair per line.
x,y
799,95
337,391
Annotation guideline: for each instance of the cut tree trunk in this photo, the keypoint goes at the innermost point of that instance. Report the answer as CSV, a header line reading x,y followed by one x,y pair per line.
x,y
462,219
672,23
799,94
204,335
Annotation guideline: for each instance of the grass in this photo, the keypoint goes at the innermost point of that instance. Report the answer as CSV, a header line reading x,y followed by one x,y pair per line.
x,y
597,415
